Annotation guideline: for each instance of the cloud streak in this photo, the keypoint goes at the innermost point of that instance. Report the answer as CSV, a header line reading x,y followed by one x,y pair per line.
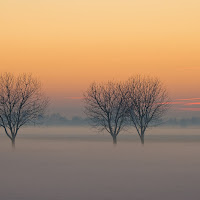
x,y
193,103
189,99
176,103
187,104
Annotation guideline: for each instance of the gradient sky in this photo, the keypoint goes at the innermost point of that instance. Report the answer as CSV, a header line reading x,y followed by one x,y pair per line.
x,y
68,44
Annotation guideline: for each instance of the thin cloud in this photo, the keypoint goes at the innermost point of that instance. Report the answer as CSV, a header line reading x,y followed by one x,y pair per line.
x,y
189,104
194,103
176,103
189,99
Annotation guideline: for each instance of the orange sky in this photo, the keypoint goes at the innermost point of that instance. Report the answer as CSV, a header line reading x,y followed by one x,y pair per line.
x,y
69,44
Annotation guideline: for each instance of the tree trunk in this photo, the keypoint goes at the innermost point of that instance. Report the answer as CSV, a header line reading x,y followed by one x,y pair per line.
x,y
142,138
13,143
114,140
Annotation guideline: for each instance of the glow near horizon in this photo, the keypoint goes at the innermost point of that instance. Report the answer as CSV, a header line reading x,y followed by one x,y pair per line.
x,y
69,44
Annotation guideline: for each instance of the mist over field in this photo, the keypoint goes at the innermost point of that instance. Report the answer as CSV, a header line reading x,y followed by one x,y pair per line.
x,y
57,119
99,99
56,162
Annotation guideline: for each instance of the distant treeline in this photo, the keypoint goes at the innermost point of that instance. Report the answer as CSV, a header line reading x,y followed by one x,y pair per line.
x,y
183,122
57,119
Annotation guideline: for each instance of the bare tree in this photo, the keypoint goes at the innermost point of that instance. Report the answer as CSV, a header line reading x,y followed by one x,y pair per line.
x,y
105,106
147,101
21,102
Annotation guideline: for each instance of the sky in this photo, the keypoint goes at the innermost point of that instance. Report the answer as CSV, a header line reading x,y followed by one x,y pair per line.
x,y
69,44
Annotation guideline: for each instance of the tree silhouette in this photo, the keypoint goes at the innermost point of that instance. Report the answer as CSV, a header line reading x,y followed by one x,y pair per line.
x,y
21,102
147,102
105,106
